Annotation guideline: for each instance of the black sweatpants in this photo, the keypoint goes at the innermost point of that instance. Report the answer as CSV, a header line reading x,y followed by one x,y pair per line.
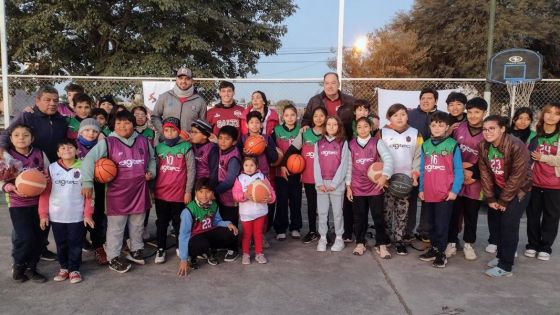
x,y
440,215
288,194
69,241
167,211
220,237
348,216
361,206
27,236
311,196
467,208
543,215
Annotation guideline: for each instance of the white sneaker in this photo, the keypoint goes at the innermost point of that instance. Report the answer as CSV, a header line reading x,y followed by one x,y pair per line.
x,y
491,248
322,244
281,237
469,252
544,256
338,245
160,256
451,250
295,234
531,253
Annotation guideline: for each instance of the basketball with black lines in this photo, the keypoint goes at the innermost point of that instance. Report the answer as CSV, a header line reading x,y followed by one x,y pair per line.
x,y
105,170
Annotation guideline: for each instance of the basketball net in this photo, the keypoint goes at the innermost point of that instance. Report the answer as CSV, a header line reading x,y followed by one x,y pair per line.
x,y
519,94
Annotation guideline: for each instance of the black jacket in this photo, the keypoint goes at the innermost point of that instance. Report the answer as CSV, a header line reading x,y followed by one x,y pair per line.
x,y
345,112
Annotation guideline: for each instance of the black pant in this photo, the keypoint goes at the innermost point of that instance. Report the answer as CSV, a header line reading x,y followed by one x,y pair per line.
x,y
229,213
504,225
468,209
543,215
440,215
424,225
288,193
69,241
167,211
220,237
348,216
97,234
27,237
311,196
361,206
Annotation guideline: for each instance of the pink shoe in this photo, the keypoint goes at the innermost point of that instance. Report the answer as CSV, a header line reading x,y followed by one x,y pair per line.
x,y
61,275
75,277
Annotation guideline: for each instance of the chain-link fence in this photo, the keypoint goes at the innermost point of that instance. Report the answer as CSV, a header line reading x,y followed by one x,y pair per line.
x,y
129,90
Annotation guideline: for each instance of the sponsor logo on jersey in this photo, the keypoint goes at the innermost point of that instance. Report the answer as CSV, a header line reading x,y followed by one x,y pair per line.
x,y
64,182
228,122
466,148
217,115
431,167
397,146
363,161
310,155
170,168
328,152
237,113
129,163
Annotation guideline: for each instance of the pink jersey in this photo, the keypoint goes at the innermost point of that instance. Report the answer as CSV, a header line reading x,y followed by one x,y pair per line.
x,y
468,144
308,154
544,175
362,158
330,155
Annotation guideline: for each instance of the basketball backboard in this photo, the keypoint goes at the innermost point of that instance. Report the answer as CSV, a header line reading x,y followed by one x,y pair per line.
x,y
514,66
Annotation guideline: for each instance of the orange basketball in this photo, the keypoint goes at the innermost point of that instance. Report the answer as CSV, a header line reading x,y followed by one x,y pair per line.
x,y
375,170
258,191
280,157
295,164
31,182
105,170
468,174
254,145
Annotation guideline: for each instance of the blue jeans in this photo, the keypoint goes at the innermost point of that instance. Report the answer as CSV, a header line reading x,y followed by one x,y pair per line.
x,y
69,241
440,215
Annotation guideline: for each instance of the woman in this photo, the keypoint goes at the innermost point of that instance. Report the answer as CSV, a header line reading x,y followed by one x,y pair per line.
x,y
270,116
506,182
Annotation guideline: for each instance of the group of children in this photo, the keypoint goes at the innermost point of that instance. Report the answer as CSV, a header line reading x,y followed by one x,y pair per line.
x,y
200,184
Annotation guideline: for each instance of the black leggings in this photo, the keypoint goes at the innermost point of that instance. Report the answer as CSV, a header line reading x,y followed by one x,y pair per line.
x,y
311,195
361,206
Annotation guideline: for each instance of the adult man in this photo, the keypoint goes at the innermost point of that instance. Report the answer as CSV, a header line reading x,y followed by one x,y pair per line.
x,y
49,128
182,102
227,112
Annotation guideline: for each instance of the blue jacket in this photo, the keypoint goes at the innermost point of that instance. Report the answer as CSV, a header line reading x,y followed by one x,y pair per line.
x,y
420,120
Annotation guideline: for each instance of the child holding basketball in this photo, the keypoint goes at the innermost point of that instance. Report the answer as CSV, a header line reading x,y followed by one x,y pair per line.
x,y
365,195
252,213
404,143
270,155
63,207
82,110
329,170
205,152
174,181
142,126
27,238
441,179
127,196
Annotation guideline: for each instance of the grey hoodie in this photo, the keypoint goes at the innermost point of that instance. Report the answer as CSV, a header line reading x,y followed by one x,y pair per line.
x,y
169,105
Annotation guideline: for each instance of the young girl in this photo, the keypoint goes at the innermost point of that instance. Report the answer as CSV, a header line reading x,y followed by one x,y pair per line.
x,y
142,126
521,126
288,186
404,143
506,182
68,212
543,212
365,194
305,143
251,214
329,170
27,238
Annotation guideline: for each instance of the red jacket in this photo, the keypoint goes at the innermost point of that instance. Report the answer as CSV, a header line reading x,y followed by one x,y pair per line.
x,y
271,120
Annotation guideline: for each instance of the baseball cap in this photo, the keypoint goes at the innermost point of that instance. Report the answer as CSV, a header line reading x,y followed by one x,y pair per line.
x,y
184,71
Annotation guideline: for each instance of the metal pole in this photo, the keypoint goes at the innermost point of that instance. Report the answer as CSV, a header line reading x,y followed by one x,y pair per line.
x,y
340,39
490,47
4,53
512,100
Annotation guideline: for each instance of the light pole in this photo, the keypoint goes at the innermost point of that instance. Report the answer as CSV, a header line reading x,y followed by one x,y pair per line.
x,y
4,56
490,46
340,39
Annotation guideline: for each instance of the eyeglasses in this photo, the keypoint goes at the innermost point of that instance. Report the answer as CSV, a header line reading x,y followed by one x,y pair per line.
x,y
489,129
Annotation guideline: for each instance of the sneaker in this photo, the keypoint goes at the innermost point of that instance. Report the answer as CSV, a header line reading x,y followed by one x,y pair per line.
x,y
338,245
246,259
61,275
47,255
160,256
18,273
359,250
430,255
322,244
310,237
211,259
295,234
281,237
408,238
266,244
497,272
261,259
146,234
491,248
401,249
75,277
116,264
87,247
193,263
34,276
493,263
544,256
423,238
101,256
136,256
382,251
451,250
440,261
231,255
531,253
469,252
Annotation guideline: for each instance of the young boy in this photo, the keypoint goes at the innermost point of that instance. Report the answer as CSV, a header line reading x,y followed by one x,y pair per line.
x,y
205,152
63,205
67,109
102,118
82,109
202,229
127,196
107,103
229,166
362,109
441,177
468,135
456,108
227,112
174,181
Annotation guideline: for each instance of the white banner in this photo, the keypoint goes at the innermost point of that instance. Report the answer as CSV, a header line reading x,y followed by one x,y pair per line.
x,y
153,89
410,99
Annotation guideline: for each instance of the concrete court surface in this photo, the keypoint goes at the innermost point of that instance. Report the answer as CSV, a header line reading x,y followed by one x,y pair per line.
x,y
297,280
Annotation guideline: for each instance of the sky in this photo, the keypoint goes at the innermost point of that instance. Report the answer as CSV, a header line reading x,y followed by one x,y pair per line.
x,y
312,34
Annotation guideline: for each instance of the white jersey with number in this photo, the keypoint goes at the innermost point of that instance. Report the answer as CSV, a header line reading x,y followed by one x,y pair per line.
x,y
402,147
66,204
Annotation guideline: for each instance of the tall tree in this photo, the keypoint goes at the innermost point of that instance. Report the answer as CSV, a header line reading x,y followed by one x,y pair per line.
x,y
143,37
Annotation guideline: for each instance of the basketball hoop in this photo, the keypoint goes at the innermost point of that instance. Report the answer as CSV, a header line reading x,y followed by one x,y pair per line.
x,y
519,94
